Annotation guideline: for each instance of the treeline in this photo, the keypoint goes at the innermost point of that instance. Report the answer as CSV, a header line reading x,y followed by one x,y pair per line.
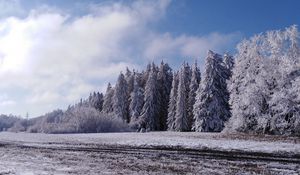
x,y
257,91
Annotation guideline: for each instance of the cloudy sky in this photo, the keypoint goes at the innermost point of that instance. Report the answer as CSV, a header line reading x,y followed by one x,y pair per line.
x,y
52,53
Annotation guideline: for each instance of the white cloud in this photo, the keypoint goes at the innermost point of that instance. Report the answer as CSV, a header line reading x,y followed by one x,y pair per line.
x,y
50,59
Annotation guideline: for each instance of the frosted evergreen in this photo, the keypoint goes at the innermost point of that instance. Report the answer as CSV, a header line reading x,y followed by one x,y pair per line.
x,y
136,101
120,99
194,85
149,117
164,82
211,109
96,100
172,102
108,100
182,122
228,63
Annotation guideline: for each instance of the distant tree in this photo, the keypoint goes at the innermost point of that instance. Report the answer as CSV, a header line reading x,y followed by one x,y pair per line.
x,y
172,102
211,109
120,99
96,100
7,121
108,100
129,77
145,75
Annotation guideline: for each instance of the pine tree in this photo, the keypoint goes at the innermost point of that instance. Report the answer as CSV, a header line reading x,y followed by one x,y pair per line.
x,y
195,81
150,112
182,122
211,109
172,102
95,100
129,77
145,75
120,99
108,100
164,83
228,63
136,102
99,102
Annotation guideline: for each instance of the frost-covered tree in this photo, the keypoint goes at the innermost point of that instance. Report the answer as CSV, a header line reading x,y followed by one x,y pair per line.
x,y
262,84
96,100
195,81
149,117
172,102
182,121
211,109
285,99
285,106
129,77
108,100
136,101
146,73
164,82
229,63
120,99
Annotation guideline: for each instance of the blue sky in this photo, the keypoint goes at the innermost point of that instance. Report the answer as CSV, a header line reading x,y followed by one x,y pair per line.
x,y
200,17
52,53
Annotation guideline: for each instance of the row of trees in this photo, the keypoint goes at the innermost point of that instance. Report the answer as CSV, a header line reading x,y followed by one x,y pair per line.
x,y
260,91
257,92
156,99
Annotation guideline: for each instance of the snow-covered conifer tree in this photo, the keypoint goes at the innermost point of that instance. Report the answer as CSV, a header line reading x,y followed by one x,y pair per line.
x,y
195,81
211,109
182,122
145,74
228,62
172,102
120,99
95,100
137,101
129,77
107,102
164,82
150,112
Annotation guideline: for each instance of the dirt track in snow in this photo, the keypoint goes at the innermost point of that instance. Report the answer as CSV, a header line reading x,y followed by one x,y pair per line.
x,y
20,159
27,154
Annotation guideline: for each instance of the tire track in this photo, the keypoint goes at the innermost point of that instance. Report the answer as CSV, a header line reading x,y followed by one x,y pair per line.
x,y
233,155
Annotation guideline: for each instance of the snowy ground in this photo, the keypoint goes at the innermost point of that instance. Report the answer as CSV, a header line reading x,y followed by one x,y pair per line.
x,y
147,153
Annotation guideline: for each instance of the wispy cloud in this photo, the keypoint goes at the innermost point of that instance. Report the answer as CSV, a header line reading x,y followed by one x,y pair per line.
x,y
52,59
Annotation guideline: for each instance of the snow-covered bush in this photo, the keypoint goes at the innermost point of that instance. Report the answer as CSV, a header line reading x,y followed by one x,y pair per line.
x,y
79,119
89,120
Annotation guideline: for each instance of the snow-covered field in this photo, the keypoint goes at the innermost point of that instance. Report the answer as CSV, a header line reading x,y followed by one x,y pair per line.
x,y
147,153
